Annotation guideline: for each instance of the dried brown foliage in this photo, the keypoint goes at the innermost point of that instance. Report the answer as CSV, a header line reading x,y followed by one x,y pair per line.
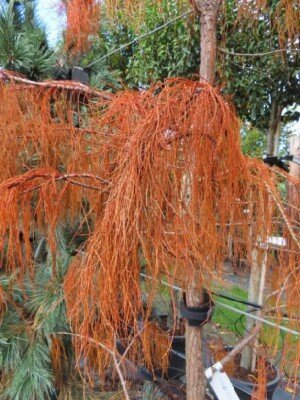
x,y
286,22
284,17
261,380
83,17
125,165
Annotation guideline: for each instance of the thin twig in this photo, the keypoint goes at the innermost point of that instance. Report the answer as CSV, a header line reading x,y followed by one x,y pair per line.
x,y
66,177
123,356
111,352
39,249
281,210
284,286
84,185
122,380
272,294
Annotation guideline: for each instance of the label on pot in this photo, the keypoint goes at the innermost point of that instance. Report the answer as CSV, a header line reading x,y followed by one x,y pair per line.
x,y
222,387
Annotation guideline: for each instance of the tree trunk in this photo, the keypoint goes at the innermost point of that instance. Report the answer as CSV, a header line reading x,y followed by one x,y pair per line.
x,y
196,382
208,32
195,378
274,129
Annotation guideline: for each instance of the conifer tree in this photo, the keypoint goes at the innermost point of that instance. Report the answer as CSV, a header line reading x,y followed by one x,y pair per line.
x,y
152,176
23,43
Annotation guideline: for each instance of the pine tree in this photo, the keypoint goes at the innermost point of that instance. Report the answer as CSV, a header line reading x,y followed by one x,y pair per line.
x,y
23,43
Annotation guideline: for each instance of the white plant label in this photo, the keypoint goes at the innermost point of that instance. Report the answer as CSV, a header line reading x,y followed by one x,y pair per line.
x,y
220,384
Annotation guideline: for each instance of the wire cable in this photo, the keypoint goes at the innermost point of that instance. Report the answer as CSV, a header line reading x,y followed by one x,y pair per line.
x,y
237,299
124,46
265,321
170,22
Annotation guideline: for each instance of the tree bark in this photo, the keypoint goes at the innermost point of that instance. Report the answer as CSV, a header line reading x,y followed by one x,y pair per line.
x,y
208,39
274,129
195,378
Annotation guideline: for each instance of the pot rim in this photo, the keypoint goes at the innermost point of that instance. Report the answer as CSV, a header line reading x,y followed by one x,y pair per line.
x,y
273,382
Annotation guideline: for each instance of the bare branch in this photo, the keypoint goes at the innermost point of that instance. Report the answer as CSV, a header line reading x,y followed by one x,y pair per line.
x,y
7,76
239,347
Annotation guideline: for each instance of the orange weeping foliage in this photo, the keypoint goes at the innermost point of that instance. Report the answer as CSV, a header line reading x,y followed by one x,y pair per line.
x,y
166,186
37,124
284,17
286,22
59,359
260,390
133,12
83,18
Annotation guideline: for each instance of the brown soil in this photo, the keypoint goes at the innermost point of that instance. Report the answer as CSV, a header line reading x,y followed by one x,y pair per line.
x,y
232,368
244,375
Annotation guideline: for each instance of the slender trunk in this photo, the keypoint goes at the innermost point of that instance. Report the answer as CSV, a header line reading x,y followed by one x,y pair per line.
x,y
195,378
208,46
274,129
196,382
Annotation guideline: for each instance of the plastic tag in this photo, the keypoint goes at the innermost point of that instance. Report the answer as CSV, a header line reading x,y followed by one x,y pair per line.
x,y
221,385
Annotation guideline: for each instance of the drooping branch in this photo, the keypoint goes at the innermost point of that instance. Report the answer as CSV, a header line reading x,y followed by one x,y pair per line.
x,y
136,161
7,76
50,176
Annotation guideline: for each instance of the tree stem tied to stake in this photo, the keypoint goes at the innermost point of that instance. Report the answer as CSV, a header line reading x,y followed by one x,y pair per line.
x,y
196,384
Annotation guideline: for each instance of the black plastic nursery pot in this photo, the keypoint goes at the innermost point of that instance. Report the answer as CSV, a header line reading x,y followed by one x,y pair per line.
x,y
176,367
176,358
244,389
